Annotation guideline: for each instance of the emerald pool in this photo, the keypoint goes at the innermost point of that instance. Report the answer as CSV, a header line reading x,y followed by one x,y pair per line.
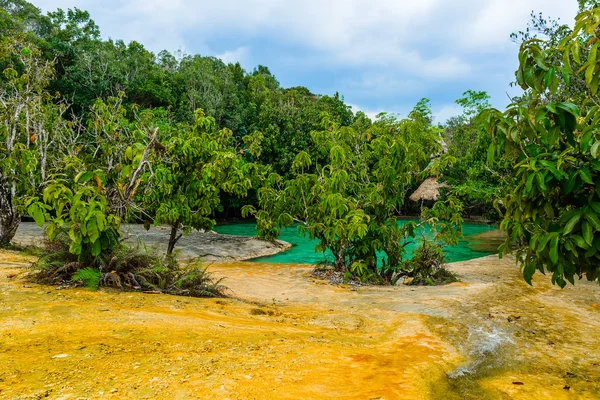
x,y
303,249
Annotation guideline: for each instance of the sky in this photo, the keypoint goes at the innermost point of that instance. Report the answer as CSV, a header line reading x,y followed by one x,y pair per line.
x,y
380,55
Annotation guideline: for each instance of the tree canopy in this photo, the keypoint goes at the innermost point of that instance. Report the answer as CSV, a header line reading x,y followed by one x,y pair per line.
x,y
550,137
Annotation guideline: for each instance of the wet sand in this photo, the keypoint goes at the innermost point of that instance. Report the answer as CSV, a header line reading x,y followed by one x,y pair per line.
x,y
288,336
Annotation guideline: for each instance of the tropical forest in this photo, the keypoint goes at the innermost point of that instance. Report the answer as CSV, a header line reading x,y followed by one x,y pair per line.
x,y
192,223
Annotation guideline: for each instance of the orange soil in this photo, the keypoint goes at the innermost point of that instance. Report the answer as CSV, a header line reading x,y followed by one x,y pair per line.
x,y
308,341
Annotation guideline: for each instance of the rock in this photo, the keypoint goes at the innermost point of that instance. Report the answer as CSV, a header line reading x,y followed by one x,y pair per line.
x,y
61,356
513,318
408,280
209,246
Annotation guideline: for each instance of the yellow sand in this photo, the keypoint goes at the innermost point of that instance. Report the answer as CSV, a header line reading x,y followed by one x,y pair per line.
x,y
309,340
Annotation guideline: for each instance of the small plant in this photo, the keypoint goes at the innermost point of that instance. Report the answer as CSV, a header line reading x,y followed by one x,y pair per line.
x,y
427,266
166,276
80,212
89,276
125,268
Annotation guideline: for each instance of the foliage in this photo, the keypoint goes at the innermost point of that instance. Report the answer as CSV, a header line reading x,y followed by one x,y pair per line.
x,y
427,266
553,206
199,164
125,268
29,123
188,280
349,198
80,211
89,276
445,219
475,181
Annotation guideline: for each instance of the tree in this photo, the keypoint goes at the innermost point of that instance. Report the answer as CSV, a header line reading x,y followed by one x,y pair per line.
x,y
475,181
121,151
349,198
199,163
30,121
551,139
77,210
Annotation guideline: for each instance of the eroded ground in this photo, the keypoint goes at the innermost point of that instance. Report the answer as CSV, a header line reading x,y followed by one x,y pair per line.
x,y
290,337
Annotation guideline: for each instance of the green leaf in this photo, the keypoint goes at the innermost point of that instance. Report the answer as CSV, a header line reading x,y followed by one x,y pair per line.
x,y
570,185
529,183
554,250
544,241
586,176
588,234
540,181
37,213
580,242
528,272
594,150
83,176
95,248
593,219
571,224
569,107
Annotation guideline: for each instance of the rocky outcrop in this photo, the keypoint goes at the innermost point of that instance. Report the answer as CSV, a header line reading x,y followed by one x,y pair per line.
x,y
209,246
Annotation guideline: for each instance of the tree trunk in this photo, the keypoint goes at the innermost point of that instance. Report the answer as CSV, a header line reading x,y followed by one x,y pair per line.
x,y
173,238
340,261
9,216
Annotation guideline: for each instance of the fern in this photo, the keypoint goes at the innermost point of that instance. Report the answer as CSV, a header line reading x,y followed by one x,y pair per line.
x,y
89,276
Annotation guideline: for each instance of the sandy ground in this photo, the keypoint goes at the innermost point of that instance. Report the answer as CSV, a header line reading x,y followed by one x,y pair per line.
x,y
210,246
287,336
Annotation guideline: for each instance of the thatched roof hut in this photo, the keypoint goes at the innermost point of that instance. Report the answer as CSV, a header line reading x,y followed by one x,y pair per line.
x,y
429,190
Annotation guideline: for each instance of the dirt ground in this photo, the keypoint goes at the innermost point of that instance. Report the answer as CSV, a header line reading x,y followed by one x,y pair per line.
x,y
284,335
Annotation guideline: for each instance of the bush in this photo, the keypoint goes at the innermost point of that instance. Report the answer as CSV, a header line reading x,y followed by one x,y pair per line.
x,y
169,277
427,266
125,269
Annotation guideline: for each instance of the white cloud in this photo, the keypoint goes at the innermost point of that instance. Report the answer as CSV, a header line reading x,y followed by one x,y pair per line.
x,y
356,31
241,55
491,24
390,46
446,111
368,112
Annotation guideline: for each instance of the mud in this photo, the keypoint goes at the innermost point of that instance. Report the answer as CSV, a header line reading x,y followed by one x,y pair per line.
x,y
288,336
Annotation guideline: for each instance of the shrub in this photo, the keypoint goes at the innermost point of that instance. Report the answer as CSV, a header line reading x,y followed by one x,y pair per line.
x,y
427,266
126,269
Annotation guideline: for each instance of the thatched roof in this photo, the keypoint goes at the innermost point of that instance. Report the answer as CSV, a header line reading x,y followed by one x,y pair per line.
x,y
429,190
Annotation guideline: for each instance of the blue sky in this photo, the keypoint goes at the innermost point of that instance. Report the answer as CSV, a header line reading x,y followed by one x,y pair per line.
x,y
381,55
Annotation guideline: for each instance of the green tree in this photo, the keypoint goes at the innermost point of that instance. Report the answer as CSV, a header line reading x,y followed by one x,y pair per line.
x,y
350,197
30,124
475,181
553,204
199,163
76,209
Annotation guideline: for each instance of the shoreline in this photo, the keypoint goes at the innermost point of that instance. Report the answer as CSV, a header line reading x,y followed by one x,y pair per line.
x,y
208,246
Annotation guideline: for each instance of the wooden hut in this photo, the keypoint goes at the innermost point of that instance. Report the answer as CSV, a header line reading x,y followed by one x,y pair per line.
x,y
428,191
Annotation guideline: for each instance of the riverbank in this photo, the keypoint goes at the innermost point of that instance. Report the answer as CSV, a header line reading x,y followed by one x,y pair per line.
x,y
490,336
209,246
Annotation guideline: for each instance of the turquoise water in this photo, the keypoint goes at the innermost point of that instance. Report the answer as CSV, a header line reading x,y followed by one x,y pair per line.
x,y
303,249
